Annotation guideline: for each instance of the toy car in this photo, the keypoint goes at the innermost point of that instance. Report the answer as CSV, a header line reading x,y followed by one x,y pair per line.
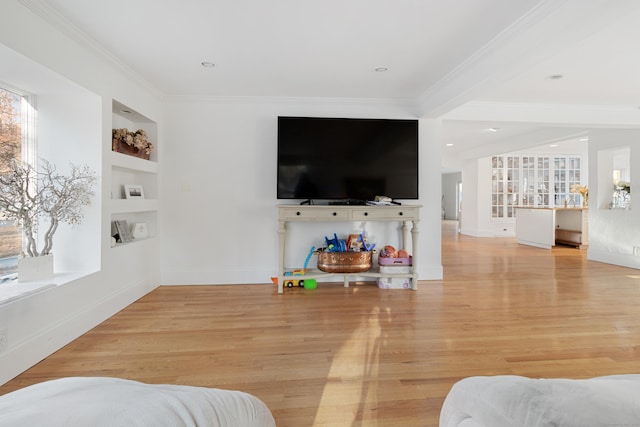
x,y
294,282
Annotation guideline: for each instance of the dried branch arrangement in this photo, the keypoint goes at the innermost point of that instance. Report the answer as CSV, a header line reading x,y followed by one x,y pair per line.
x,y
28,195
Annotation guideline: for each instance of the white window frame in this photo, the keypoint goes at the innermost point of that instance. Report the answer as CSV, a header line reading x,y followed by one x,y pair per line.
x,y
533,180
29,147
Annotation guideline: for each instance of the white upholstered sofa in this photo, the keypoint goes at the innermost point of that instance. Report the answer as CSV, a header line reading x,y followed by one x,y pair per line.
x,y
98,401
514,401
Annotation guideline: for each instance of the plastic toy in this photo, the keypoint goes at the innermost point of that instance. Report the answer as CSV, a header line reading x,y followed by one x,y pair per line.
x,y
388,252
302,283
365,245
298,282
335,244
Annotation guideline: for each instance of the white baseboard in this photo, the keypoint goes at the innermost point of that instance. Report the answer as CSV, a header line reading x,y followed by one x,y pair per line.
x,y
623,260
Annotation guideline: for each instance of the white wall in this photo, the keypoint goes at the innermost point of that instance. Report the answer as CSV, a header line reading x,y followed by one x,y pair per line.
x,y
613,233
450,193
218,206
468,212
476,199
69,131
75,127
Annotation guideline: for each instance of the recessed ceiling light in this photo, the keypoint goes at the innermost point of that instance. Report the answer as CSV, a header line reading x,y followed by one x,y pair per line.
x,y
208,64
492,129
553,145
449,145
555,77
381,69
586,138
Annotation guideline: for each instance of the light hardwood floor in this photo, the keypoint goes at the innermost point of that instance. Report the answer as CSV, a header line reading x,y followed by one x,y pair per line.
x,y
368,357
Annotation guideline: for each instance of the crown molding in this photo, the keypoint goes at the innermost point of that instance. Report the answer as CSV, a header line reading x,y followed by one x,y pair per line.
x,y
406,104
548,114
53,17
524,141
544,106
472,73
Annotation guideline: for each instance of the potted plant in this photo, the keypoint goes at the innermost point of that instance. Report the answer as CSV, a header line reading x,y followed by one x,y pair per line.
x,y
35,198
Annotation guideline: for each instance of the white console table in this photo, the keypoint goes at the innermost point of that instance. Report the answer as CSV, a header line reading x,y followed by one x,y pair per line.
x,y
408,215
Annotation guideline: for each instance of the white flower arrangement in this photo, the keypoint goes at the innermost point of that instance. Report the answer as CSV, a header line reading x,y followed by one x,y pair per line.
x,y
623,185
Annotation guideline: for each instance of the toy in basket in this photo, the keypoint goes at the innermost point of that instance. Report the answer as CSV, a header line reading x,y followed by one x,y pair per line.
x,y
392,261
302,283
339,256
390,256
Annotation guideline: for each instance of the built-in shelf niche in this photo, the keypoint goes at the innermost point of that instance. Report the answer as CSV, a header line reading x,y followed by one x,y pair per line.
x,y
126,117
126,169
614,173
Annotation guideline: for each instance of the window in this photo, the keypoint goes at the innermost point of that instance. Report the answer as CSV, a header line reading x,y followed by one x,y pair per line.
x,y
566,174
497,187
528,181
16,131
506,186
533,181
513,185
543,183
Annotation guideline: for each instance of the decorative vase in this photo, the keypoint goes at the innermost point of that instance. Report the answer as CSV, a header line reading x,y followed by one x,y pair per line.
x,y
585,201
124,148
35,268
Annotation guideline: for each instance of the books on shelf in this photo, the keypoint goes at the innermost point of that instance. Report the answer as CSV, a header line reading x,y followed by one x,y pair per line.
x,y
122,229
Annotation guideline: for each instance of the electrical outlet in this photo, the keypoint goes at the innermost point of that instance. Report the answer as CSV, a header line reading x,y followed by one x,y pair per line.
x,y
4,338
636,250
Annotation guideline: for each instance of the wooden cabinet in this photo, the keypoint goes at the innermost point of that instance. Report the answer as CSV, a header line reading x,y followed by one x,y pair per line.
x,y
544,227
409,216
572,227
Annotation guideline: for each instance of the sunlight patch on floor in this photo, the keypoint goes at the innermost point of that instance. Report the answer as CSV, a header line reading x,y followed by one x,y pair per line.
x,y
352,378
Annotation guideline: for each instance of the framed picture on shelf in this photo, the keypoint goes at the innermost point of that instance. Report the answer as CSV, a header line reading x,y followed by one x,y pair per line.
x,y
140,230
123,230
133,191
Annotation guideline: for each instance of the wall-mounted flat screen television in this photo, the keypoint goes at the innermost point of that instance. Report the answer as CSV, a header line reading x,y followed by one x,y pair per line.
x,y
347,159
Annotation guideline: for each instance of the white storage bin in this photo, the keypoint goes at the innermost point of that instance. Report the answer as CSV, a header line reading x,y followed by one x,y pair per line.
x,y
395,282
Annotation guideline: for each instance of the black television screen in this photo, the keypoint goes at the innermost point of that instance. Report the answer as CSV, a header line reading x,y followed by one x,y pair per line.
x,y
347,159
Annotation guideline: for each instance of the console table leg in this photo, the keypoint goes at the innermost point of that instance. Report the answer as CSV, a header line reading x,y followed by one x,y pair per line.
x,y
346,281
406,227
282,231
414,248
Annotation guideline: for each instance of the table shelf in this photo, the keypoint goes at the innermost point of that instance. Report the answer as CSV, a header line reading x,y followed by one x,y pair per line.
x,y
409,216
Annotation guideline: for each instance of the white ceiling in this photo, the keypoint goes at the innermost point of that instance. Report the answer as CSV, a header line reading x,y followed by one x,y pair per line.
x,y
441,55
293,48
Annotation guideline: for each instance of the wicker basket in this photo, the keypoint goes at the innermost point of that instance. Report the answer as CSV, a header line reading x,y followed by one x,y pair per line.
x,y
344,262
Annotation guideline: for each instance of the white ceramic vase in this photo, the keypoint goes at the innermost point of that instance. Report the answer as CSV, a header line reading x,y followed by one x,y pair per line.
x,y
35,268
